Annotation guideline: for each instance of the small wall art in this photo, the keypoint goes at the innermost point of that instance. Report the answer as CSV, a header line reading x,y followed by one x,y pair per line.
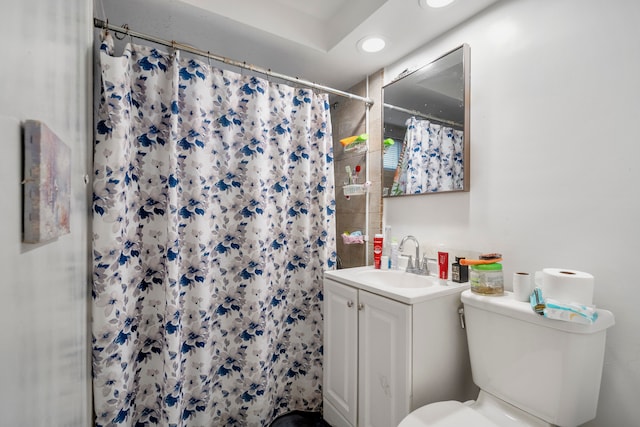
x,y
47,184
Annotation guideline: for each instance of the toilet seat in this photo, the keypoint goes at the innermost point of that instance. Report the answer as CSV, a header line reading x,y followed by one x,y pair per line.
x,y
446,414
485,411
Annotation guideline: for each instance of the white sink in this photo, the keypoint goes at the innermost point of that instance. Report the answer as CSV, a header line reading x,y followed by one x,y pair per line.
x,y
395,279
398,285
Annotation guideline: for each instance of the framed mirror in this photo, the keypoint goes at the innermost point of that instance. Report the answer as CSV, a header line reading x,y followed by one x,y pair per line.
x,y
426,128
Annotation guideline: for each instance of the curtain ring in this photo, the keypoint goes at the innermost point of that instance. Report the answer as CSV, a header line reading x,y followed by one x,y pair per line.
x,y
126,27
209,58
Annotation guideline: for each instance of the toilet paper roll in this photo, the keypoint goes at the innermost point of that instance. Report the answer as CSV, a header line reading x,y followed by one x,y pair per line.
x,y
522,286
566,285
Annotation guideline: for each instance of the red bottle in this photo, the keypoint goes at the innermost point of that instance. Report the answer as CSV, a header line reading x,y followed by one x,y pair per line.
x,y
443,265
377,250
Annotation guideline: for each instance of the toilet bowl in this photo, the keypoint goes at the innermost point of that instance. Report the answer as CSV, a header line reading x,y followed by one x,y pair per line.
x,y
531,371
485,411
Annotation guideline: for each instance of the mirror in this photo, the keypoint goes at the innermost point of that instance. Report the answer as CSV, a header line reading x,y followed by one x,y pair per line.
x,y
426,115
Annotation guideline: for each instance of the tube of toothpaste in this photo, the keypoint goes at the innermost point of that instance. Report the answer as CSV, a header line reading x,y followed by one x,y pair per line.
x,y
570,312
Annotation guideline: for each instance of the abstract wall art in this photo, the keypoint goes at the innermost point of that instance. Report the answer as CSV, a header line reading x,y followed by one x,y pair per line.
x,y
47,184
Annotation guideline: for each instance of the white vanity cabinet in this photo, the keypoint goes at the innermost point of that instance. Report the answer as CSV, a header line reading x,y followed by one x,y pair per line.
x,y
340,348
367,343
383,358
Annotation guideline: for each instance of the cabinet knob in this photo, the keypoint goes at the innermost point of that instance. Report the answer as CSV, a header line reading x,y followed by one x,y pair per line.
x,y
349,303
360,306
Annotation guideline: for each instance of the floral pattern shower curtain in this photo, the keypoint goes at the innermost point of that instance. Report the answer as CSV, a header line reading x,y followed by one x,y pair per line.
x,y
431,160
213,223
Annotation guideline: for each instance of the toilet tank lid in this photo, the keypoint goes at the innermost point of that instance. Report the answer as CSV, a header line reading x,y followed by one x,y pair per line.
x,y
507,305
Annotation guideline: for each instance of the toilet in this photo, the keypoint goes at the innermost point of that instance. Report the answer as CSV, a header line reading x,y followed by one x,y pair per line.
x,y
531,370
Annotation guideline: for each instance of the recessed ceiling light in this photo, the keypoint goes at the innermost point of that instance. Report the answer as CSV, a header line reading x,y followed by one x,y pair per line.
x,y
435,3
372,44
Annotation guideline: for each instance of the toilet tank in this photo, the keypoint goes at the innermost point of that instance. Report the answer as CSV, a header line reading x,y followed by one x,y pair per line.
x,y
548,368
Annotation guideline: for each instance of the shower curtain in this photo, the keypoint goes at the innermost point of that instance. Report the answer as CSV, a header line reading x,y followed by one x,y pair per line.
x,y
213,222
431,160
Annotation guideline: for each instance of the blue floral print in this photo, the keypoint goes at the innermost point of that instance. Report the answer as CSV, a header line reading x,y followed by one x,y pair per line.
x,y
213,221
432,159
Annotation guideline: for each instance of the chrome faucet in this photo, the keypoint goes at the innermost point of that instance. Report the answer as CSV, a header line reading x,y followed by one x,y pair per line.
x,y
411,268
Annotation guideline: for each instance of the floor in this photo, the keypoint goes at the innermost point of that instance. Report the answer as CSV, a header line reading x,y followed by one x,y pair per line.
x,y
300,419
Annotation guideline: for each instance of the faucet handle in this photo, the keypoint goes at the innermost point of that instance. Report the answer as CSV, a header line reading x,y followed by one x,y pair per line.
x,y
410,264
424,267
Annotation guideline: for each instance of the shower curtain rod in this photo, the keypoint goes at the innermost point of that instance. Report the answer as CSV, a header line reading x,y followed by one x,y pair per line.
x,y
99,23
423,115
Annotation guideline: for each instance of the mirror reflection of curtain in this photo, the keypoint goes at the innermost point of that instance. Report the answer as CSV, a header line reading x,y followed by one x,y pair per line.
x,y
431,160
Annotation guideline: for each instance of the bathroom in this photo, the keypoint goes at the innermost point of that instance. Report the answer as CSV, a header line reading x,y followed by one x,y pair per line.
x,y
554,89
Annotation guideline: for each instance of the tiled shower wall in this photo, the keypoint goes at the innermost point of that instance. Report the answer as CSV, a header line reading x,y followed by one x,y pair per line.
x,y
349,117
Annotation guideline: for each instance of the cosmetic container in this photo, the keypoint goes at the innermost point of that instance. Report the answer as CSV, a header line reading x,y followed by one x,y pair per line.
x,y
386,246
443,265
487,279
459,273
378,241
394,255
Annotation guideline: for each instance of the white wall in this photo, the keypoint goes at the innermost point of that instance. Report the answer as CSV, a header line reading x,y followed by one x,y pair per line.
x,y
44,376
555,146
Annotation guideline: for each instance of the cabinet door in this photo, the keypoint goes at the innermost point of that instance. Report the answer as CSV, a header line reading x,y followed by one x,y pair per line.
x,y
340,348
384,361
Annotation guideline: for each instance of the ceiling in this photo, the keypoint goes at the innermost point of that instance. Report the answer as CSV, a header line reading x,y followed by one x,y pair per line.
x,y
314,40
